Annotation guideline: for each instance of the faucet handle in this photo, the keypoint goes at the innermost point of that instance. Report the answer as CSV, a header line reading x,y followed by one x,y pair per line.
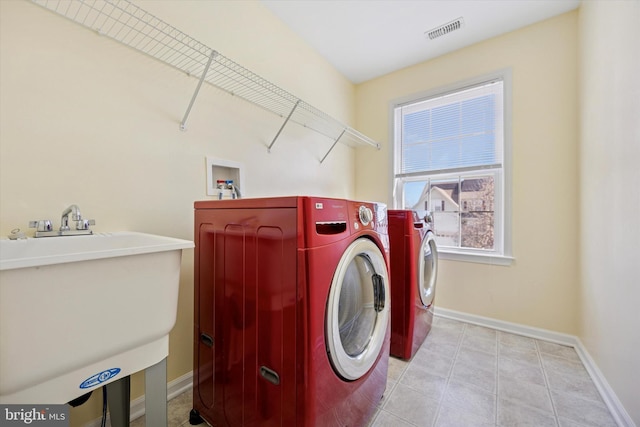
x,y
41,225
84,224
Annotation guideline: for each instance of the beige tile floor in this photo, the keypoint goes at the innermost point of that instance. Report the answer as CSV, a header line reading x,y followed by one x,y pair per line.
x,y
466,376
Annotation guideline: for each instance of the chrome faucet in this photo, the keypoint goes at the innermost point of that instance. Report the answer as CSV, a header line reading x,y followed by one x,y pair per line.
x,y
74,210
82,225
44,228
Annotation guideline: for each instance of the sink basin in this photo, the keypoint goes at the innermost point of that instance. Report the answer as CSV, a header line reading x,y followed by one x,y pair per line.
x,y
79,312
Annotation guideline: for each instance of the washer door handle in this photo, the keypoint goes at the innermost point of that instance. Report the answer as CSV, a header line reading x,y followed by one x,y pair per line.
x,y
270,375
379,296
206,339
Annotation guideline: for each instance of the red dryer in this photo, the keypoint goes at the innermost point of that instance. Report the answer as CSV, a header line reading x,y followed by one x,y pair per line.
x,y
414,267
292,312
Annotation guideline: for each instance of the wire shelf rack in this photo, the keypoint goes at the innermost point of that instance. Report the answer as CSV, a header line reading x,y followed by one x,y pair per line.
x,y
134,27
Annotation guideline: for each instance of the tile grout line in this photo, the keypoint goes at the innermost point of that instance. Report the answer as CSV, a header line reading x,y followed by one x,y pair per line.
x,y
404,371
387,393
453,364
546,383
397,383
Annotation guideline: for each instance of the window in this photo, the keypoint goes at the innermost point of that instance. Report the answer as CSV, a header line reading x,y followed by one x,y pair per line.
x,y
450,158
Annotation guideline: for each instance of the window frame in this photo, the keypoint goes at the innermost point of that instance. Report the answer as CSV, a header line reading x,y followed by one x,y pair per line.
x,y
502,252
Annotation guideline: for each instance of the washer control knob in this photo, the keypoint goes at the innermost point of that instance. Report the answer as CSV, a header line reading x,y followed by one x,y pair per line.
x,y
365,214
428,218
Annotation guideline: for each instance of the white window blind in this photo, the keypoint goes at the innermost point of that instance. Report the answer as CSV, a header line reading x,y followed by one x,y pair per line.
x,y
456,131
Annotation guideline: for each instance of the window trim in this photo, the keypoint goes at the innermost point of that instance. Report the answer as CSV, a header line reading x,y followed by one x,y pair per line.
x,y
460,254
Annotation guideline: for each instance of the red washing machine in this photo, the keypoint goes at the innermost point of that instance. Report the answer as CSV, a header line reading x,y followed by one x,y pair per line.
x,y
414,268
292,312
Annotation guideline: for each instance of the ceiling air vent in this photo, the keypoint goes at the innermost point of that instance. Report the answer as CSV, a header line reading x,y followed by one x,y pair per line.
x,y
456,24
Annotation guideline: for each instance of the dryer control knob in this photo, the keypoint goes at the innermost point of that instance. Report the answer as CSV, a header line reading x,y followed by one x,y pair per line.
x,y
428,218
366,215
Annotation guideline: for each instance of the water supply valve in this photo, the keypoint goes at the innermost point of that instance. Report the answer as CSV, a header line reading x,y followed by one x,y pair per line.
x,y
84,224
41,225
226,188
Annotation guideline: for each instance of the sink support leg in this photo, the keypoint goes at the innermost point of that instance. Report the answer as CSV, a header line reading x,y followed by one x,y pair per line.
x,y
155,400
119,397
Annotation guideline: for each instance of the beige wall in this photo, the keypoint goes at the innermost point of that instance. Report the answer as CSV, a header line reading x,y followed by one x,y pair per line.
x,y
610,198
85,120
540,289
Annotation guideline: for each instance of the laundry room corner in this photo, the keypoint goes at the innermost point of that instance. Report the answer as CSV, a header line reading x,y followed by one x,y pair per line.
x,y
540,286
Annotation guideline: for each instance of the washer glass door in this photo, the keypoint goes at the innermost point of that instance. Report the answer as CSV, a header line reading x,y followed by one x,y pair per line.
x,y
427,269
358,309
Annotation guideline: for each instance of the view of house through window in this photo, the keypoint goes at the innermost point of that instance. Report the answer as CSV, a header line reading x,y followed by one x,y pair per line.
x,y
462,209
449,161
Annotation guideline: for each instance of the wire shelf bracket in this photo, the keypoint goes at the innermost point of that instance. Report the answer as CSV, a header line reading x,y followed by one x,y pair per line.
x,y
283,125
195,94
136,28
333,145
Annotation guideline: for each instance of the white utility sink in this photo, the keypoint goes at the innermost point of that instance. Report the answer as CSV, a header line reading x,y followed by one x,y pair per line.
x,y
79,312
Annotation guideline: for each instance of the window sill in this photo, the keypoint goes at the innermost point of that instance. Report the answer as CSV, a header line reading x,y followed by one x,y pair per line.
x,y
490,259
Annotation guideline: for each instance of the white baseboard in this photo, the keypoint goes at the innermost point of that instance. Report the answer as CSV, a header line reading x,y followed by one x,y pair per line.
x,y
174,388
608,395
622,417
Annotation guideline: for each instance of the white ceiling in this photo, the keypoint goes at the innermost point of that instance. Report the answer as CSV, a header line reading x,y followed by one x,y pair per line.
x,y
365,39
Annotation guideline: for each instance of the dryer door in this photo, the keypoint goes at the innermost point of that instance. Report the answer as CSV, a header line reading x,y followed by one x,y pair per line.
x,y
427,269
357,316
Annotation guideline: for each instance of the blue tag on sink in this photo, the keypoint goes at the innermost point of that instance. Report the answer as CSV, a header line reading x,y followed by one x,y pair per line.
x,y
100,377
